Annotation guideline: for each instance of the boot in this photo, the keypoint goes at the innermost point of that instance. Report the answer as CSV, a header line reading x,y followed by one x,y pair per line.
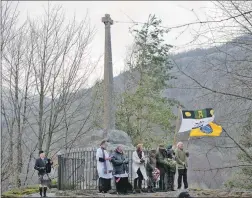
x,y
135,183
45,189
150,189
40,191
140,185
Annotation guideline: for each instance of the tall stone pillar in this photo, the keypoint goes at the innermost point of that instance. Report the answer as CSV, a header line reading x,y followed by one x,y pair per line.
x,y
109,113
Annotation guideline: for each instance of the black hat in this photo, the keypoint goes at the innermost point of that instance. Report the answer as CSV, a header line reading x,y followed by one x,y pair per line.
x,y
41,152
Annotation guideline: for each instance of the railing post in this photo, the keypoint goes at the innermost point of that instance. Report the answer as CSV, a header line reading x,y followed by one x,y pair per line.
x,y
72,175
59,172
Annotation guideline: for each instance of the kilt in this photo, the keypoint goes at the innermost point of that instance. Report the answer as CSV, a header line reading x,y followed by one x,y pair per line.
x,y
44,180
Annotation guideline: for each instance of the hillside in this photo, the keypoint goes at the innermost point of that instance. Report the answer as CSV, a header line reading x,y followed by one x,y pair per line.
x,y
208,67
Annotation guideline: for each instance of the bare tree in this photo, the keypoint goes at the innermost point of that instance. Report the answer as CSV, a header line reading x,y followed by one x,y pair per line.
x,y
16,77
14,99
61,67
46,65
9,17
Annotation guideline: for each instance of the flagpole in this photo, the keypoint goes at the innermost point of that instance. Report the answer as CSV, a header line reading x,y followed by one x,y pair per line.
x,y
176,129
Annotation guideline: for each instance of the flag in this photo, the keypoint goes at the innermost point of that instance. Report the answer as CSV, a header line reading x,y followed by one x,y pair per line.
x,y
210,130
196,119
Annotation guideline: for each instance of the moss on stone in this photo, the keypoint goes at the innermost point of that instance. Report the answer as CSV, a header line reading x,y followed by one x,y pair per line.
x,y
21,191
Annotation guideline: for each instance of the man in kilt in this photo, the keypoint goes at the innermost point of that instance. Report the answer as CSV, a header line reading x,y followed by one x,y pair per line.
x,y
43,166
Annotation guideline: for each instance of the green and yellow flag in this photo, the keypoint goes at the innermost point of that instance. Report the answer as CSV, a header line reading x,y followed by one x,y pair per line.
x,y
200,123
211,130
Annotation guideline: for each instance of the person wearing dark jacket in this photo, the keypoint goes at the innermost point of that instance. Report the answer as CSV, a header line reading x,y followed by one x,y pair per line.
x,y
150,168
43,166
161,165
120,171
171,168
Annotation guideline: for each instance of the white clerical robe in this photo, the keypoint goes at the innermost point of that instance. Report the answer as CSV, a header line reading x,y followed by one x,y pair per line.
x,y
101,165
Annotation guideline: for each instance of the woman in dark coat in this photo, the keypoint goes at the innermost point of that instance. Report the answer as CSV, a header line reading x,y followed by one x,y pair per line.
x,y
150,168
120,171
171,168
161,165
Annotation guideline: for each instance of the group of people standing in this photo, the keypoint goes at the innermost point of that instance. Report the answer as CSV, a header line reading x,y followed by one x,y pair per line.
x,y
158,167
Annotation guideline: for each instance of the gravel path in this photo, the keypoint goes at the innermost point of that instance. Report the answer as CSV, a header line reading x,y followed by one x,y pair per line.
x,y
157,194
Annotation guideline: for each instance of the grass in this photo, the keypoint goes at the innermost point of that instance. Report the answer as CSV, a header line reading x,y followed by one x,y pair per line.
x,y
21,191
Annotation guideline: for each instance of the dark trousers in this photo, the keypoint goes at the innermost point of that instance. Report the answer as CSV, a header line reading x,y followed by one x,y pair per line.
x,y
170,180
162,182
151,181
138,181
123,185
182,173
104,185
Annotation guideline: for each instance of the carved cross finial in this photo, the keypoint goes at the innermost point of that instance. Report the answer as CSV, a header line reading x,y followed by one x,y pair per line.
x,y
107,20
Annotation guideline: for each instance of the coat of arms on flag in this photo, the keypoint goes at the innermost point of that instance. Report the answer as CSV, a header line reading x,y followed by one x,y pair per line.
x,y
200,123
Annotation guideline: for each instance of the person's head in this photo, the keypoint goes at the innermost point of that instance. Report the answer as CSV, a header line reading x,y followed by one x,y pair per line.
x,y
169,147
180,145
161,147
119,149
184,195
104,144
139,147
41,154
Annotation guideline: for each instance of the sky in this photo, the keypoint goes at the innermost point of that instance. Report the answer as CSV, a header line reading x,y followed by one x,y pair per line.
x,y
172,13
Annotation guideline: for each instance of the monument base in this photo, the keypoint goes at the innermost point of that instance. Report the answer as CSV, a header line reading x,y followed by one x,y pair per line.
x,y
118,137
115,137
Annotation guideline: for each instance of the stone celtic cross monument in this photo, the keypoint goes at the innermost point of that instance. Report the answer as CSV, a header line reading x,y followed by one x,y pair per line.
x,y
114,136
109,113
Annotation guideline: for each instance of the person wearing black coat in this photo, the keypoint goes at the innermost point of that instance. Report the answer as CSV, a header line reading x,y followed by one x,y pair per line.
x,y
170,169
121,171
43,165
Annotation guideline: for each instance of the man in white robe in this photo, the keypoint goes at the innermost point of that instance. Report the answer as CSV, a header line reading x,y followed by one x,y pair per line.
x,y
104,168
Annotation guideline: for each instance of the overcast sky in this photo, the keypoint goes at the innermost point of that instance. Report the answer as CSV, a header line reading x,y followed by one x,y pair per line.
x,y
172,13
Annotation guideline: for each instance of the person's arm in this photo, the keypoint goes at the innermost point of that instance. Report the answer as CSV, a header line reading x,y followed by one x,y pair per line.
x,y
50,161
160,160
177,158
149,167
126,160
99,156
143,157
37,167
115,161
135,158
